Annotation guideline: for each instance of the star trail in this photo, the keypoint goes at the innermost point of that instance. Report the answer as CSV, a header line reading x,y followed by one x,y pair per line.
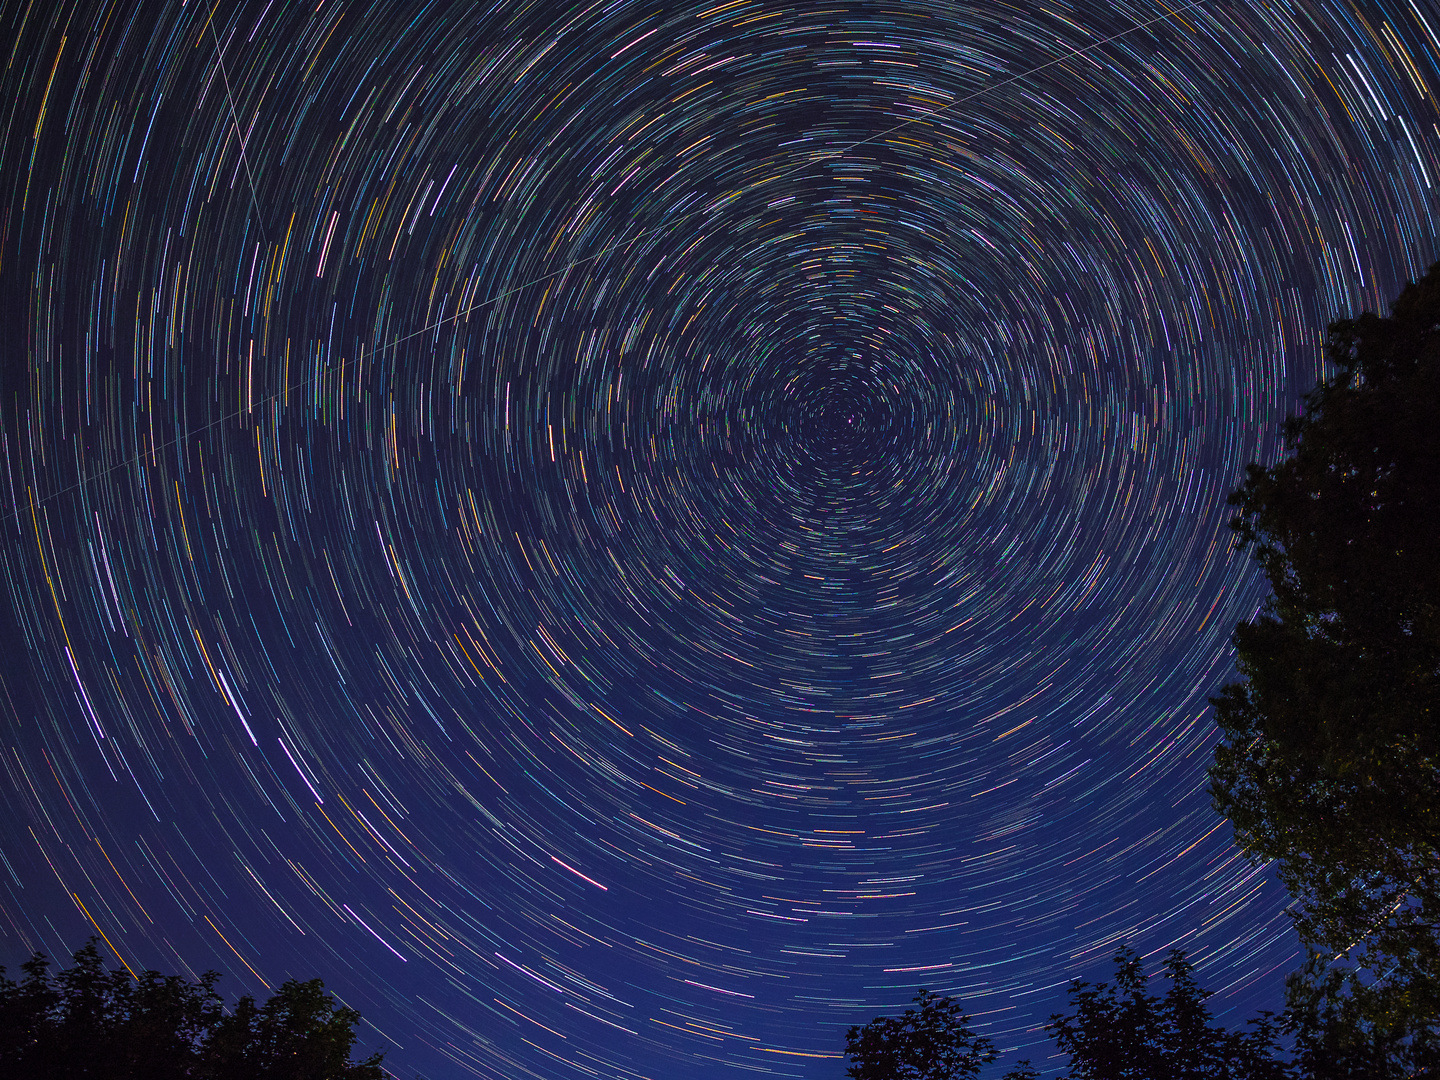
x,y
627,538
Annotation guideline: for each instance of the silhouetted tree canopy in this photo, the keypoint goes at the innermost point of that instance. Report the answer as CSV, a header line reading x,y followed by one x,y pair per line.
x,y
932,1041
1329,760
1339,1034
87,1023
1120,1031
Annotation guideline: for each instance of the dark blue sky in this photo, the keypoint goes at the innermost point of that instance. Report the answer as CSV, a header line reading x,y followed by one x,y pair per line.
x,y
628,538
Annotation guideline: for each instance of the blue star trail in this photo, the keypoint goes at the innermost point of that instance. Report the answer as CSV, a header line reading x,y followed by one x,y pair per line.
x,y
627,538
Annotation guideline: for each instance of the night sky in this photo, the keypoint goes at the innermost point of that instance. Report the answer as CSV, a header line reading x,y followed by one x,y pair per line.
x,y
628,537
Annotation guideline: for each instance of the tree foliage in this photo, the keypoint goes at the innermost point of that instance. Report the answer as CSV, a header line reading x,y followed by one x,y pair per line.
x,y
1340,1034
1120,1031
931,1041
87,1023
1329,761
1123,1031
1022,1070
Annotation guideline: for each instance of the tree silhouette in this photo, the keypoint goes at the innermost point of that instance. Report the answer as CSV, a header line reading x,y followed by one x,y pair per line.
x,y
931,1041
87,1023
1330,763
1123,1032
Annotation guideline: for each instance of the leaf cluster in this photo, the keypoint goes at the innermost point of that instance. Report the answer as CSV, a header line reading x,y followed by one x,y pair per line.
x,y
1330,763
930,1041
1346,1029
87,1023
1121,1031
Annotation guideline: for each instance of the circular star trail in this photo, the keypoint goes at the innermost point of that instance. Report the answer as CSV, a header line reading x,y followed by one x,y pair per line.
x,y
628,538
